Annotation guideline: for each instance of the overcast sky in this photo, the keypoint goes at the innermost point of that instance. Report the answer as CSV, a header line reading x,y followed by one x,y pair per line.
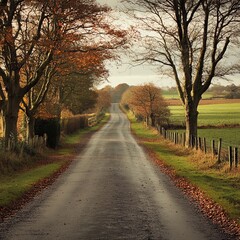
x,y
124,72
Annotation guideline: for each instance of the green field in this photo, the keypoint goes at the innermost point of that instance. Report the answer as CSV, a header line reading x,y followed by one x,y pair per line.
x,y
229,136
210,115
174,94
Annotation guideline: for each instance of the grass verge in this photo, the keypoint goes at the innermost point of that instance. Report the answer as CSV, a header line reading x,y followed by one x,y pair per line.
x,y
17,184
201,171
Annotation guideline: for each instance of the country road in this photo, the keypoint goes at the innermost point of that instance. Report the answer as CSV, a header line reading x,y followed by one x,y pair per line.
x,y
111,191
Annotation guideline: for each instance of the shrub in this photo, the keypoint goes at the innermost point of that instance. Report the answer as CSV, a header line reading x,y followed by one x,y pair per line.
x,y
51,127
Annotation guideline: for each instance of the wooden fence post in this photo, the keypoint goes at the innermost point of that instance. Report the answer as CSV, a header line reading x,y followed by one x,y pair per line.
x,y
200,143
196,143
230,157
184,139
236,157
219,150
213,147
204,145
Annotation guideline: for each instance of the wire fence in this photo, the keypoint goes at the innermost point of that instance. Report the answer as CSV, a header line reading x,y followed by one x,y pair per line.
x,y
219,149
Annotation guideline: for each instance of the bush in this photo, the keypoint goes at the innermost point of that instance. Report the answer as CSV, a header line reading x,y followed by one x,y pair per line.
x,y
51,127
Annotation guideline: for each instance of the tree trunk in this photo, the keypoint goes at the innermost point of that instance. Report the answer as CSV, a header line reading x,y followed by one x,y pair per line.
x,y
191,124
30,128
152,117
11,117
147,121
2,120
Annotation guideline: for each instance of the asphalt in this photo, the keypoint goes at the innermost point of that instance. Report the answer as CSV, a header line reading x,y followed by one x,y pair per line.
x,y
111,191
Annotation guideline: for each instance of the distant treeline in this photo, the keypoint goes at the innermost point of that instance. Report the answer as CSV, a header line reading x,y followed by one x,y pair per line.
x,y
231,91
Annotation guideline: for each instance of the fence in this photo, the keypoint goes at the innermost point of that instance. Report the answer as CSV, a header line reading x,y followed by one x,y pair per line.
x,y
67,126
72,124
20,146
92,120
227,153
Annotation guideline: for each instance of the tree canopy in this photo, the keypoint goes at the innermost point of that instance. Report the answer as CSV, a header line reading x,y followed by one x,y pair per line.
x,y
36,36
147,103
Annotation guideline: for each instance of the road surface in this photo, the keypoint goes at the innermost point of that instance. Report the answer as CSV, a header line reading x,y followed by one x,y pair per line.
x,y
112,191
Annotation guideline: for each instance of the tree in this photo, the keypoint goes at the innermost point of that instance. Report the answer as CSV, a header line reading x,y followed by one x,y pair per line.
x,y
233,91
25,25
77,94
103,101
188,39
34,98
76,84
67,83
146,101
17,24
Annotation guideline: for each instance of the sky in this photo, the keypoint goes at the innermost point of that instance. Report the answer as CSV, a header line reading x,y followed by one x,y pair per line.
x,y
124,71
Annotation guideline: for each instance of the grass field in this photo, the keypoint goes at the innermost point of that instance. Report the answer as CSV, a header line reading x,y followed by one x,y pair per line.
x,y
229,136
210,114
14,186
174,94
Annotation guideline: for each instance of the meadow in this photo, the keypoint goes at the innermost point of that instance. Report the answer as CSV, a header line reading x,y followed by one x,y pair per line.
x,y
223,114
173,94
216,120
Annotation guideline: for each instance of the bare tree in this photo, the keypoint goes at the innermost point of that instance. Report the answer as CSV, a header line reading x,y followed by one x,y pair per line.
x,y
188,39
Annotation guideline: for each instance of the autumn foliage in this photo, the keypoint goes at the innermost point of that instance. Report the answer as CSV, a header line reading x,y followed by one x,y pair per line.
x,y
43,45
147,103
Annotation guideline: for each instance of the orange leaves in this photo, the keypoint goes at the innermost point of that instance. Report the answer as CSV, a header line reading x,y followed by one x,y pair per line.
x,y
83,62
146,101
103,100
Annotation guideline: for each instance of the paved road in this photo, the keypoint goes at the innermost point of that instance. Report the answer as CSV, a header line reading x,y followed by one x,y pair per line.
x,y
112,191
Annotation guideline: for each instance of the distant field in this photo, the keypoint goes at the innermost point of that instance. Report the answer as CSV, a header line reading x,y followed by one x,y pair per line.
x,y
174,95
230,136
177,102
210,114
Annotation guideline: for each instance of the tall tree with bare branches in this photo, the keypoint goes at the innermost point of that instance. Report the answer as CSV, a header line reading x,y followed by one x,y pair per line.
x,y
189,40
